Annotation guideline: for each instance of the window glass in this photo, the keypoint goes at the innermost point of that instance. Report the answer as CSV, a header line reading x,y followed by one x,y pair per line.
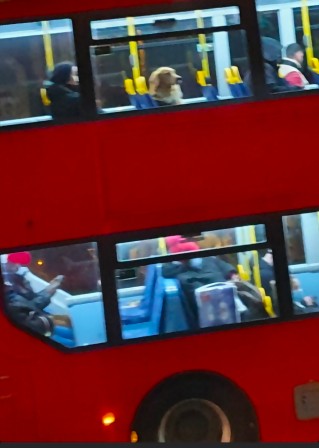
x,y
56,292
28,54
161,23
189,243
302,247
181,69
196,293
289,50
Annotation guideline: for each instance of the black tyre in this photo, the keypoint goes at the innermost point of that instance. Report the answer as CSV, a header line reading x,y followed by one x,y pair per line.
x,y
196,407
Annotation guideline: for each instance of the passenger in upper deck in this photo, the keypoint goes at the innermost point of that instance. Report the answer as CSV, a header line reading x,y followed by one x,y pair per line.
x,y
63,91
291,67
272,56
165,86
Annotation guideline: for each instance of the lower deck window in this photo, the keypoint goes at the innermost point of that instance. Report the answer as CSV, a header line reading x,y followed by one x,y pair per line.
x,y
302,248
196,293
56,292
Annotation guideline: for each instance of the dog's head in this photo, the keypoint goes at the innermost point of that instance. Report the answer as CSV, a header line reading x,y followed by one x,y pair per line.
x,y
163,79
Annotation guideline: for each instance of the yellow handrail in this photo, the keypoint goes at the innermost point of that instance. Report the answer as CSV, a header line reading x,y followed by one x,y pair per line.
x,y
307,30
48,51
202,43
133,49
256,271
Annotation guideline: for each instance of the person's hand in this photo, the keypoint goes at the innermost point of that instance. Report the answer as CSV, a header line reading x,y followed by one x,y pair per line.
x,y
56,282
308,301
235,277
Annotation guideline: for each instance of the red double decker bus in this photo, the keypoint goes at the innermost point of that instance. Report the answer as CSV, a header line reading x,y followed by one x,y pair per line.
x,y
159,240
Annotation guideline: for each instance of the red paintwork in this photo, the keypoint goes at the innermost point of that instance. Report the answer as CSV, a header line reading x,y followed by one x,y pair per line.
x,y
142,172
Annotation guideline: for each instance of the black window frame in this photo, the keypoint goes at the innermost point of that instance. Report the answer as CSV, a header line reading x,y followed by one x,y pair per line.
x,y
108,264
81,23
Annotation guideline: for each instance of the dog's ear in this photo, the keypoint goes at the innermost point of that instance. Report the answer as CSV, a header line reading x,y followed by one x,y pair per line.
x,y
154,82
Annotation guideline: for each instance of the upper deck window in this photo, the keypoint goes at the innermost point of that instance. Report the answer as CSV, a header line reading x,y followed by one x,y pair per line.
x,y
211,239
169,59
162,23
56,292
28,54
290,44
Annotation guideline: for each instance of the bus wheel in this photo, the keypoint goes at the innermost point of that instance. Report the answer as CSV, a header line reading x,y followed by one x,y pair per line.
x,y
196,407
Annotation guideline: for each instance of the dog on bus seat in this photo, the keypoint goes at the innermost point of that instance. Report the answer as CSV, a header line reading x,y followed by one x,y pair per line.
x,y
164,86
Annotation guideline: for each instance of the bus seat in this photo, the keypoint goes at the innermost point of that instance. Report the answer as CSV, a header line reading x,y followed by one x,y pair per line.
x,y
145,99
130,90
174,318
86,312
208,90
235,83
63,336
153,325
309,282
141,312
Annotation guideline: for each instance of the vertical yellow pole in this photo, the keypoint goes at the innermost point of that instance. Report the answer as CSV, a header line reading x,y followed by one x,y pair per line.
x,y
162,246
48,51
133,49
202,42
307,30
256,271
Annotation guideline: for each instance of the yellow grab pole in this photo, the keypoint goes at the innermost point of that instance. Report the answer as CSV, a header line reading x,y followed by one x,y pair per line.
x,y
202,42
256,271
162,246
133,49
48,51
307,30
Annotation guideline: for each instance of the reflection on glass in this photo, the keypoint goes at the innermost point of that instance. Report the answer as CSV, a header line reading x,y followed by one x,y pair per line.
x,y
189,243
302,247
57,293
197,293
289,55
170,72
161,23
23,67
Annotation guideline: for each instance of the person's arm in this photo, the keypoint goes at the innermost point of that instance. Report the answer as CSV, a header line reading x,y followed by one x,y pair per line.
x,y
171,270
276,84
294,79
20,311
227,269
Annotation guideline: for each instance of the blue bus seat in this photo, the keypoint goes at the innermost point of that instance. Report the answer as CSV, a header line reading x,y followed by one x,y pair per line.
x,y
130,90
235,83
210,93
174,318
152,326
309,282
142,311
63,336
87,317
144,98
208,90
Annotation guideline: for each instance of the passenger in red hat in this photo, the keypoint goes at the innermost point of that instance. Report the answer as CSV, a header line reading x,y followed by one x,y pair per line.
x,y
24,304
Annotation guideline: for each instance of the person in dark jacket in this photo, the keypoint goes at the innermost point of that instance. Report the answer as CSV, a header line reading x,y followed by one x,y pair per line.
x,y
63,91
271,49
23,304
198,272
266,267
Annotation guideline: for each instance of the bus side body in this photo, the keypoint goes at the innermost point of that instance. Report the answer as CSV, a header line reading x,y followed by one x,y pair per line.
x,y
141,172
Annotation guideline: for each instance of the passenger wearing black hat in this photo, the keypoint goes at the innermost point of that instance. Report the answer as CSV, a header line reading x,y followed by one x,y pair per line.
x,y
63,91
